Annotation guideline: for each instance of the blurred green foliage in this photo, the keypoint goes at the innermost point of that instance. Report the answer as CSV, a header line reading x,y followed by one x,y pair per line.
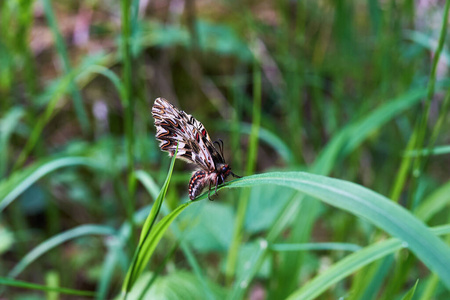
x,y
347,89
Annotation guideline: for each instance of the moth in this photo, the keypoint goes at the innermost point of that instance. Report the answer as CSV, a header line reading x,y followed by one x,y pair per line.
x,y
175,127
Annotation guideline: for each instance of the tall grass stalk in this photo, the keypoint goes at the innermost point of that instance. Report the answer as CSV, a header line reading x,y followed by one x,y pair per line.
x,y
416,141
129,108
250,168
64,58
420,132
421,129
22,37
443,111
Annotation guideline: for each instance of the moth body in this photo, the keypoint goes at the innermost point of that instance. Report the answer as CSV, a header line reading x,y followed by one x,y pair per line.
x,y
175,128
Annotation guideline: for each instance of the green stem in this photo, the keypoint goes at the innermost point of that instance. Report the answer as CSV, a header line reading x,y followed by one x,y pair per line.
x,y
421,127
129,108
251,164
64,57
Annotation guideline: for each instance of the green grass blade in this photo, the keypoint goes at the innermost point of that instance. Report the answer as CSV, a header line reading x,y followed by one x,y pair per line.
x,y
42,120
148,182
62,51
7,125
114,255
149,246
246,278
434,203
250,168
115,80
427,42
402,172
53,280
142,256
154,190
365,203
38,287
348,138
380,116
57,240
151,219
272,140
438,150
351,263
315,246
16,184
421,127
354,134
410,294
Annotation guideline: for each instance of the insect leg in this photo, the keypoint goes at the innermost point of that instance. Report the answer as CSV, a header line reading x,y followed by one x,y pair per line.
x,y
217,183
209,192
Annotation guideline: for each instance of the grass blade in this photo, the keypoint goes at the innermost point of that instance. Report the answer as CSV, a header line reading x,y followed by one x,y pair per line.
x,y
250,168
16,184
58,240
315,246
354,134
351,263
147,238
62,51
434,203
7,126
438,150
409,295
38,287
148,247
365,203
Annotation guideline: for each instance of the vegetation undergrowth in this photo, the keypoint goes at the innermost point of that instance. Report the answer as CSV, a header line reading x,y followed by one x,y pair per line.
x,y
336,114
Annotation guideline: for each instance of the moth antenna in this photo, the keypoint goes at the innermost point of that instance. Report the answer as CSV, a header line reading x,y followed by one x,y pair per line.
x,y
220,145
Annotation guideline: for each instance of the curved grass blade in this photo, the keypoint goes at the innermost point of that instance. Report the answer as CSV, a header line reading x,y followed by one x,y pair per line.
x,y
58,240
142,256
113,257
12,187
354,134
149,245
270,139
434,203
352,263
38,287
98,69
427,42
148,182
365,203
356,131
51,97
7,125
363,128
64,57
153,190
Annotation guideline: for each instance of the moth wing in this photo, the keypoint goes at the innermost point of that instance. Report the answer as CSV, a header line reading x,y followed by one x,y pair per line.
x,y
216,156
174,127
